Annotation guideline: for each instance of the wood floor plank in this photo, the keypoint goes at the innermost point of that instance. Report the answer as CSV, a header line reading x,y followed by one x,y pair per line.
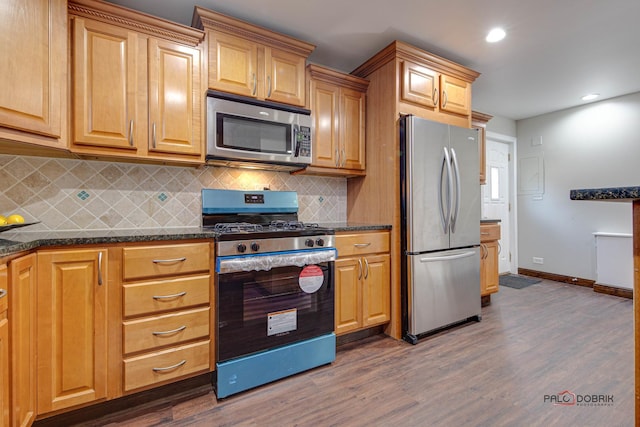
x,y
541,340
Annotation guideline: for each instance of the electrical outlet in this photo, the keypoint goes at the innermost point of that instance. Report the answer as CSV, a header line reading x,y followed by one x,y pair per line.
x,y
538,260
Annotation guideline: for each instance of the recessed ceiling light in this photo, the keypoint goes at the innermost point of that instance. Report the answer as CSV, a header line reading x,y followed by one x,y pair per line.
x,y
495,35
590,96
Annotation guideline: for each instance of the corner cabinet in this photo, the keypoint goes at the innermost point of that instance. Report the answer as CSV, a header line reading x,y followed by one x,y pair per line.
x,y
248,60
33,89
479,121
337,103
489,252
72,328
22,317
362,281
136,85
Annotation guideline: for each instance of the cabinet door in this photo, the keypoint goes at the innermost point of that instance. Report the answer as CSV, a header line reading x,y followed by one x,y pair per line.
x,y
456,95
72,328
348,303
22,312
491,277
5,405
324,107
33,66
376,299
420,85
352,113
233,64
174,98
104,85
284,77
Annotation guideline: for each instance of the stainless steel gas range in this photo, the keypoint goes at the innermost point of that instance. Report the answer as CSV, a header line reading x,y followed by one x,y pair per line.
x,y
274,288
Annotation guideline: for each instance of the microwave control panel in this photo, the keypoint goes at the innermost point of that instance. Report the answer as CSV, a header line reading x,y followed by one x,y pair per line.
x,y
303,142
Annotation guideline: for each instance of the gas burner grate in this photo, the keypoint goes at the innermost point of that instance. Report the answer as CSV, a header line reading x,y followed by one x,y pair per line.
x,y
290,225
237,227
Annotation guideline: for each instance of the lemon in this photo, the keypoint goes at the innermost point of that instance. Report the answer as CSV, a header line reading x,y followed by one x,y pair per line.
x,y
3,220
15,219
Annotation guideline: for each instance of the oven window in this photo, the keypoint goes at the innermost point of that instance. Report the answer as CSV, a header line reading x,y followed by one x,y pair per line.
x,y
259,310
243,133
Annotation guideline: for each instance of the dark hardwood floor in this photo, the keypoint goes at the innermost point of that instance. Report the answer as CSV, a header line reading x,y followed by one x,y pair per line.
x,y
541,340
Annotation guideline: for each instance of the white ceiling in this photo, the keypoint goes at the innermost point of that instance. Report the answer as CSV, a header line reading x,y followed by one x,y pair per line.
x,y
555,50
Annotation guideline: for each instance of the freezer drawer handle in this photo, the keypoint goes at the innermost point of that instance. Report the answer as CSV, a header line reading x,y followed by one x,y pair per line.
x,y
447,257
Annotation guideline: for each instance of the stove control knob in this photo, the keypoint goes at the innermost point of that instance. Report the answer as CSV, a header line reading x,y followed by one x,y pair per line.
x,y
241,247
320,242
309,243
255,247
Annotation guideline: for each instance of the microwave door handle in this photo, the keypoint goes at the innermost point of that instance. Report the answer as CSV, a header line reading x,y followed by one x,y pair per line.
x,y
296,130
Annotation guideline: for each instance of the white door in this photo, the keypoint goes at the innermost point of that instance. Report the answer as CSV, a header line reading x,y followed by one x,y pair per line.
x,y
496,197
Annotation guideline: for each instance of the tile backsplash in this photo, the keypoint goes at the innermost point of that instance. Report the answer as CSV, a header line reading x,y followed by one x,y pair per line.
x,y
69,194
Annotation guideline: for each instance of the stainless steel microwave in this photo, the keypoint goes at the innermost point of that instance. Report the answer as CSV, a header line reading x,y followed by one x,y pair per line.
x,y
243,132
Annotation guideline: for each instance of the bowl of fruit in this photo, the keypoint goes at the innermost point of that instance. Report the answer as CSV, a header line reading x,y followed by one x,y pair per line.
x,y
13,221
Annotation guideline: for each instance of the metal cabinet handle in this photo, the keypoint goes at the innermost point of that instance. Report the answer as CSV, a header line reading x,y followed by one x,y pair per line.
x,y
444,98
167,261
3,293
178,295
361,245
484,233
360,269
366,268
435,96
153,135
168,368
255,84
337,158
269,85
173,331
131,132
344,158
499,248
100,268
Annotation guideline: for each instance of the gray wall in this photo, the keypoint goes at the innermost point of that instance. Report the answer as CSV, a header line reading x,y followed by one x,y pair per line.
x,y
591,146
502,125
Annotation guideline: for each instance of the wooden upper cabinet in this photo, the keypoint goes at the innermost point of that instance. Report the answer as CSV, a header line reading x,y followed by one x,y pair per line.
x,y
174,98
479,121
137,88
33,69
455,95
248,60
337,103
105,65
420,85
233,64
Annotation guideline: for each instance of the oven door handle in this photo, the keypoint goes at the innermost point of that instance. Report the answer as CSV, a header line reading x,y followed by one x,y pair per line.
x,y
267,261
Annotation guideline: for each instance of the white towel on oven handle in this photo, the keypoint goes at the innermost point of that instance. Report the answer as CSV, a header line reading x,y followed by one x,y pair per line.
x,y
268,261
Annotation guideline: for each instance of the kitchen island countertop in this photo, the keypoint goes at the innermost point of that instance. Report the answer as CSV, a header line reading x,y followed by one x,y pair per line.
x,y
610,193
12,242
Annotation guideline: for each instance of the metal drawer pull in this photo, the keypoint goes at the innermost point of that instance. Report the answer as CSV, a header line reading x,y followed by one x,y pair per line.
x,y
168,368
99,268
484,233
181,294
362,245
167,261
173,331
3,293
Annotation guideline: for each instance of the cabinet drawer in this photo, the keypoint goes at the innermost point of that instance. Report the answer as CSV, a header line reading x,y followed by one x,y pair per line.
x,y
165,260
362,243
489,232
169,329
169,294
166,365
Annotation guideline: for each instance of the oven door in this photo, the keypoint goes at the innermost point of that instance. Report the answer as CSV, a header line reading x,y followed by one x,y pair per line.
x,y
267,301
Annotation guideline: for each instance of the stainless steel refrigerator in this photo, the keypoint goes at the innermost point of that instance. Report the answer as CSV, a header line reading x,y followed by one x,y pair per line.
x,y
440,226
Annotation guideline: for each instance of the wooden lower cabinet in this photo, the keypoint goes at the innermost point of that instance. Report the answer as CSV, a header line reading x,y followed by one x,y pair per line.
x,y
489,252
362,282
22,316
72,328
5,405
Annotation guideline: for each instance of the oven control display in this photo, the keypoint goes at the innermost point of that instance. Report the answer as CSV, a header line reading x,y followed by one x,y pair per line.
x,y
254,199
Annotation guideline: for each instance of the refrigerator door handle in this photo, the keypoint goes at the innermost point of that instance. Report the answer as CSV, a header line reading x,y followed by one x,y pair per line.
x,y
446,217
448,257
456,210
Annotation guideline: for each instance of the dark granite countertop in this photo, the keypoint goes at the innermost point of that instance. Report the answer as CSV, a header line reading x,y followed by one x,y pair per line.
x,y
490,220
613,193
12,242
